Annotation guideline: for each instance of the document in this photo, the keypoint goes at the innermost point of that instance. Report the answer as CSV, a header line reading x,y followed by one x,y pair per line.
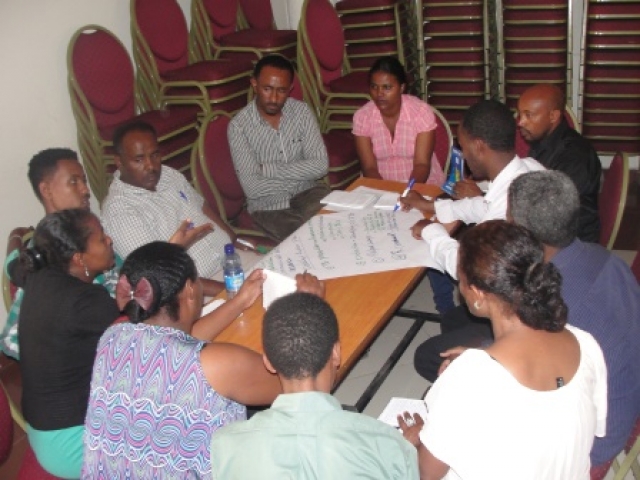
x,y
341,200
350,243
397,406
275,286
207,308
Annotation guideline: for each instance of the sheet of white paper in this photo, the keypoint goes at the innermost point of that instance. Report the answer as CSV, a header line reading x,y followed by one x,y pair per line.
x,y
387,201
211,306
397,406
350,243
352,200
275,286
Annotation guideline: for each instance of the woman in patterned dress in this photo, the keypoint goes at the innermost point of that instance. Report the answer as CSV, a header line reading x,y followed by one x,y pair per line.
x,y
158,393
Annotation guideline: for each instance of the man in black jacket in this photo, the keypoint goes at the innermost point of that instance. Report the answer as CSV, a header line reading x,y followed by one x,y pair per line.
x,y
557,146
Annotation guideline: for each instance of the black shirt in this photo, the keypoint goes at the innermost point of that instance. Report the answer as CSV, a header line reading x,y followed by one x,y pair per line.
x,y
567,151
61,320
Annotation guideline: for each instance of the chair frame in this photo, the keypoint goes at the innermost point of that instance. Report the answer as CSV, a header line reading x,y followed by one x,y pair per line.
x,y
92,146
315,94
153,90
449,134
202,45
623,200
398,36
198,159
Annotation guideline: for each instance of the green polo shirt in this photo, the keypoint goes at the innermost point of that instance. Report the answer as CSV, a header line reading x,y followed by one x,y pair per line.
x,y
308,436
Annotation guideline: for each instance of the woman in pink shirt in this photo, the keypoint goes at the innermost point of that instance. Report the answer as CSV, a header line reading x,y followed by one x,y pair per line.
x,y
395,133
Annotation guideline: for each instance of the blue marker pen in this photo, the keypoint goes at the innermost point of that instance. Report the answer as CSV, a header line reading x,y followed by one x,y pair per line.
x,y
404,194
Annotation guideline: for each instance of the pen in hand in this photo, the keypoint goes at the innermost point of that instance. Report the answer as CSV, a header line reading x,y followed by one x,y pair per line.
x,y
404,194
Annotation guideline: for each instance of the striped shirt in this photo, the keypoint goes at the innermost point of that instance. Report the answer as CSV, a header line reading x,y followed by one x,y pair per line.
x,y
134,216
274,165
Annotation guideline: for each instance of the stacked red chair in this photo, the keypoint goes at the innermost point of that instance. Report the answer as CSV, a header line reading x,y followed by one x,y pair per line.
x,y
216,31
535,44
609,108
455,53
331,88
371,30
164,74
101,88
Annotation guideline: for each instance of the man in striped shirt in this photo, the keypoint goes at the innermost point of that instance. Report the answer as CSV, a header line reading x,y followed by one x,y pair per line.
x,y
278,152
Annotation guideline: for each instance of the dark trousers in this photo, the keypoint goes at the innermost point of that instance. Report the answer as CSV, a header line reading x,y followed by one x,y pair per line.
x,y
442,286
459,328
279,224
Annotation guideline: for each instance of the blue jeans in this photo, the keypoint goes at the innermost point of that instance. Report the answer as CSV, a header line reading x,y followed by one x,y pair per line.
x,y
442,286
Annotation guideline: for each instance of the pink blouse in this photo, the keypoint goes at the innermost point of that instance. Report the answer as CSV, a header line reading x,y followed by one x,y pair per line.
x,y
395,156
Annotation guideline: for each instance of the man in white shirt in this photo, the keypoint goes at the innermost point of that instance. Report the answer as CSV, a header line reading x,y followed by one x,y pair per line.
x,y
487,138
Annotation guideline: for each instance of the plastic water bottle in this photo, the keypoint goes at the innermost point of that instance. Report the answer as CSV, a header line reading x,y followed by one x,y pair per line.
x,y
233,272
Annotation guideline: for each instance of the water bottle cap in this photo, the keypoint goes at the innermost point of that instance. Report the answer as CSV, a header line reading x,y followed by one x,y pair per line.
x,y
228,249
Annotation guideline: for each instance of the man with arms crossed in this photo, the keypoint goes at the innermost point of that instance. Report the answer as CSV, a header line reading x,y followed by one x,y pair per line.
x,y
148,202
278,152
306,434
557,146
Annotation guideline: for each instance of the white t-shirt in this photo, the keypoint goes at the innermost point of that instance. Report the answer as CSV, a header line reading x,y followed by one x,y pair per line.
x,y
485,425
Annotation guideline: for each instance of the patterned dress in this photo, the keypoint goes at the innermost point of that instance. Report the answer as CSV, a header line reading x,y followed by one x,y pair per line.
x,y
151,410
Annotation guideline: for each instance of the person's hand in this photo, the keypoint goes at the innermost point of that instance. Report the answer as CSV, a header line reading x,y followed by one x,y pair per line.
x,y
416,230
251,288
309,283
466,188
449,356
410,425
414,200
186,234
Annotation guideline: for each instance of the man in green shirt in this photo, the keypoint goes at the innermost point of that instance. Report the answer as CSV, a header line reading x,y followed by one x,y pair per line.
x,y
306,434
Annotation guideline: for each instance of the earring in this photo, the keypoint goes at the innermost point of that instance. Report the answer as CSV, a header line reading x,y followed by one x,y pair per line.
x,y
86,270
476,305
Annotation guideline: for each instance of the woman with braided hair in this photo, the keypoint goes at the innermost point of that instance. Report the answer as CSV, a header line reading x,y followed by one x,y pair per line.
x,y
62,317
528,406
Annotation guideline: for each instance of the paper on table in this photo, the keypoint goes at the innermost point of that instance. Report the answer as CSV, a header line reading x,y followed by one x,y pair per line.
x,y
350,200
275,286
397,406
387,201
211,306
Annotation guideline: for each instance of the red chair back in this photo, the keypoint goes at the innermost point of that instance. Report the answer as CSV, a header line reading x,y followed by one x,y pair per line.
x,y
104,73
222,15
258,14
220,166
164,27
612,199
326,37
444,141
6,426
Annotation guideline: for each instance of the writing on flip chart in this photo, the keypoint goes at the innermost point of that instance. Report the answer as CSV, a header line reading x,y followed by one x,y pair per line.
x,y
350,243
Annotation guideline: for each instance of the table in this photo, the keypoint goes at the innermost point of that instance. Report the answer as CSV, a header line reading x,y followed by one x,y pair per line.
x,y
363,304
